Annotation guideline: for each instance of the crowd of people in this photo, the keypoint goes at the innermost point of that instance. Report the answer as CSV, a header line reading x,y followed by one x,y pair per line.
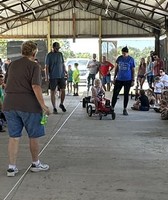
x,y
155,96
124,76
3,69
23,105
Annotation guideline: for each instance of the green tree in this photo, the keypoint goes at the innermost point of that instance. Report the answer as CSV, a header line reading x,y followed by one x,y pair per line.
x,y
83,55
68,53
137,54
3,49
65,48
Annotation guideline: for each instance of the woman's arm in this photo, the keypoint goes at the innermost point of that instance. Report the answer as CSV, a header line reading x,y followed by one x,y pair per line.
x,y
115,72
38,93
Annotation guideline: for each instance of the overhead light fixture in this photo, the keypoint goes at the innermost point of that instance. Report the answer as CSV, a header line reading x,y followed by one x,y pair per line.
x,y
106,11
162,37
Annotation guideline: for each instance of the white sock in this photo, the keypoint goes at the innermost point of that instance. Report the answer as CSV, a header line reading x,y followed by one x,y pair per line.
x,y
11,166
36,162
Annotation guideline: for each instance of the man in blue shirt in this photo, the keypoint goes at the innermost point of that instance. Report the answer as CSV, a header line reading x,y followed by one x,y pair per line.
x,y
123,77
55,73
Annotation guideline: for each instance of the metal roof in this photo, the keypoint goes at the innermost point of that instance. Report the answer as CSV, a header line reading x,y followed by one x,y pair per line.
x,y
149,15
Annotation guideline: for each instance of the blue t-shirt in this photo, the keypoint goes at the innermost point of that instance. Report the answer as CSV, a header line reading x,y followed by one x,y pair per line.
x,y
55,63
125,65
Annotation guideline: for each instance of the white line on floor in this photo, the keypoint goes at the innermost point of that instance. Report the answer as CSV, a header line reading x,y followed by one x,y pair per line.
x,y
22,177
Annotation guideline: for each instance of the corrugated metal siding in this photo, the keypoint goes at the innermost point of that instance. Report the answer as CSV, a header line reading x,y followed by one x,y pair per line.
x,y
34,28
117,28
62,25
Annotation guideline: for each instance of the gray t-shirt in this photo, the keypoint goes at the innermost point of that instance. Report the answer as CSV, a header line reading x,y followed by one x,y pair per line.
x,y
21,75
93,66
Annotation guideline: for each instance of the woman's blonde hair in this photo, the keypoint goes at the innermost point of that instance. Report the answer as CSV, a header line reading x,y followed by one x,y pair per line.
x,y
29,48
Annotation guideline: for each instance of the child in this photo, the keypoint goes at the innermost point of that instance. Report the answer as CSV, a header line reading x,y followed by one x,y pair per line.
x,y
158,87
76,79
97,92
69,79
164,106
151,97
142,103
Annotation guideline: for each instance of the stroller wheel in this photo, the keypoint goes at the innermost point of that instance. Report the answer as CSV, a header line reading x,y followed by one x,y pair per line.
x,y
84,103
100,116
87,107
113,115
89,110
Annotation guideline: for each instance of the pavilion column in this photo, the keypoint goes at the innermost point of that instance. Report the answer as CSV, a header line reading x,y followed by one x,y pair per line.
x,y
49,34
166,46
157,41
100,38
74,24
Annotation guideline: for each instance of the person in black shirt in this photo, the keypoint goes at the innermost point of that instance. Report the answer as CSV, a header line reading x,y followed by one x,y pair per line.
x,y
142,103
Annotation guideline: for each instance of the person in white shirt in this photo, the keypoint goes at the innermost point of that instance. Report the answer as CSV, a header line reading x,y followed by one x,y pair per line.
x,y
93,67
164,79
158,87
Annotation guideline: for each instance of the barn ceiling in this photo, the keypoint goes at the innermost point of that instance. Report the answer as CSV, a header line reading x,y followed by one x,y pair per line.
x,y
150,15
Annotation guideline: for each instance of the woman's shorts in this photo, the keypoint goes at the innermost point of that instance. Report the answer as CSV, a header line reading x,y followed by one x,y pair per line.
x,y
17,120
106,79
141,76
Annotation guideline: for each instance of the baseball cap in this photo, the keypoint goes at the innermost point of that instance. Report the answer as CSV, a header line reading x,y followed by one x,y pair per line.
x,y
56,45
125,49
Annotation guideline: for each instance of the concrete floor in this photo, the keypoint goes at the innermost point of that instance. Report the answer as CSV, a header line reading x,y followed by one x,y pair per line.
x,y
122,159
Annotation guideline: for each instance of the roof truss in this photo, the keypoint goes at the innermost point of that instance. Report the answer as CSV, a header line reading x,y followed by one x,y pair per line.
x,y
138,13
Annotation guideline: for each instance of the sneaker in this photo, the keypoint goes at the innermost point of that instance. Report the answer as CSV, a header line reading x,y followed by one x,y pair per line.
x,y
62,107
39,167
125,112
55,111
12,172
1,131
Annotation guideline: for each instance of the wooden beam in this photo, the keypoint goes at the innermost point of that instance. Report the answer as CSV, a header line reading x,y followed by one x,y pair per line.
x,y
100,39
74,24
49,34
